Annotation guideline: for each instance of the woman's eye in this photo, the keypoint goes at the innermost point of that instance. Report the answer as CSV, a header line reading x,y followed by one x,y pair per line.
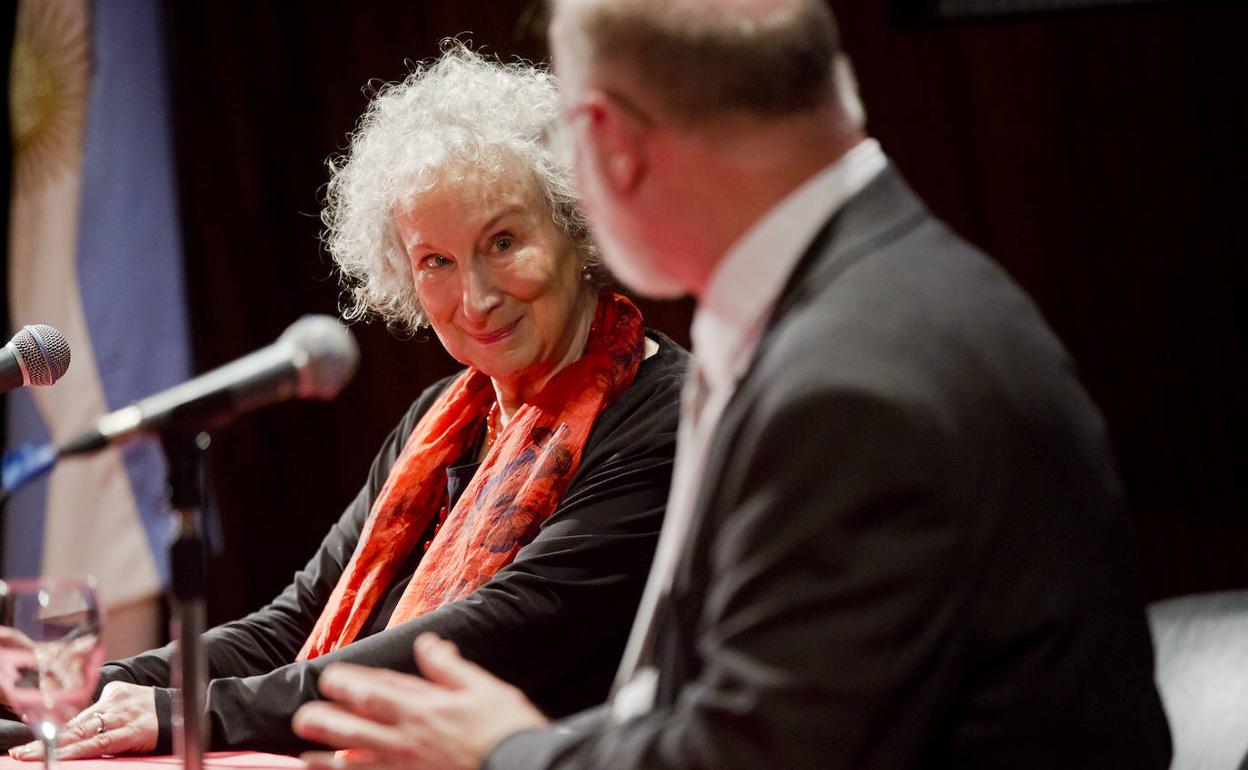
x,y
503,242
433,262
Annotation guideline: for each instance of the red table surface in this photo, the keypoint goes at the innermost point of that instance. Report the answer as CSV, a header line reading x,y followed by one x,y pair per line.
x,y
213,760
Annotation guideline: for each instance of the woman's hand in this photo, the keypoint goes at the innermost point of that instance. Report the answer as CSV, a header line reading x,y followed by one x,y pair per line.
x,y
450,719
122,721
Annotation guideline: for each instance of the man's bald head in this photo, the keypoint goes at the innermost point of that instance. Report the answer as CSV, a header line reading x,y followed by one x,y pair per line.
x,y
696,59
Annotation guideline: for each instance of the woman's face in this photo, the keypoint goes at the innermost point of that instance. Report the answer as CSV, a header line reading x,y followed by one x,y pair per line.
x,y
499,281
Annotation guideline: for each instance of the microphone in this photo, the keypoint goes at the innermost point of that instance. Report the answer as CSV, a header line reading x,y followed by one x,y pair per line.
x,y
313,359
37,355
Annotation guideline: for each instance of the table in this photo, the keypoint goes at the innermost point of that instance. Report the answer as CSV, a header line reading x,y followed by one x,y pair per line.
x,y
213,760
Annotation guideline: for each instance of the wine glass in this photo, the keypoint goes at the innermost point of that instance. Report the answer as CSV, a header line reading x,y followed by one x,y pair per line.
x,y
50,651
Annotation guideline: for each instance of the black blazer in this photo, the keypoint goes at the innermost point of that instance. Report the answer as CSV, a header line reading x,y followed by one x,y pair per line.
x,y
909,548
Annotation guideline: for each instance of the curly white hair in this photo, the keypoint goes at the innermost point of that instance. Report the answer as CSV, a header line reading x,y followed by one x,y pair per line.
x,y
461,111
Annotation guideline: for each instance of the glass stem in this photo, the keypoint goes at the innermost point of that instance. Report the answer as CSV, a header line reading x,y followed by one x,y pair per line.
x,y
49,749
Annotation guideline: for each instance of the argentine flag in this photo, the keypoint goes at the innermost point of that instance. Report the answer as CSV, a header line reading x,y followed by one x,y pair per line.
x,y
94,250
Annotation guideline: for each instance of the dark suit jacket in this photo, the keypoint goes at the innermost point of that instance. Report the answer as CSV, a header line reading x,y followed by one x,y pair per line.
x,y
909,549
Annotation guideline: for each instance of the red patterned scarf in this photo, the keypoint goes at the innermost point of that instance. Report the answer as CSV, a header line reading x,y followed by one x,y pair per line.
x,y
516,488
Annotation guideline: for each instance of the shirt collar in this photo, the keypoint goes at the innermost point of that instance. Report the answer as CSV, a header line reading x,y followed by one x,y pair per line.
x,y
748,280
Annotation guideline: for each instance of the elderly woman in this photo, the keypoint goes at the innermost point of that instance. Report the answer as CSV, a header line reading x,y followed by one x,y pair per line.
x,y
516,506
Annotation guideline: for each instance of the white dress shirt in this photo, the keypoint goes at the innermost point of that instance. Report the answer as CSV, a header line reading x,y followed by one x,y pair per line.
x,y
727,324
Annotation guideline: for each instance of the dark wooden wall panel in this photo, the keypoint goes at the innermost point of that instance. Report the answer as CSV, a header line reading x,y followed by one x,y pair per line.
x,y
1099,156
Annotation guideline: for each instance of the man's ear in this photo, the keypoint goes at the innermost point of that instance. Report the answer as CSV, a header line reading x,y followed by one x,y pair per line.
x,y
615,141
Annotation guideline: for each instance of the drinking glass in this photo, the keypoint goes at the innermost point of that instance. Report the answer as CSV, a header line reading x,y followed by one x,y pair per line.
x,y
50,651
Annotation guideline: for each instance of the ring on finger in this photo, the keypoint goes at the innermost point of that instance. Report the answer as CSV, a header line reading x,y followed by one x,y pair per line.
x,y
103,728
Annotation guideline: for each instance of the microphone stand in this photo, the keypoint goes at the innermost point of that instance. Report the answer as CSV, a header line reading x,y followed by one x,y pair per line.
x,y
188,588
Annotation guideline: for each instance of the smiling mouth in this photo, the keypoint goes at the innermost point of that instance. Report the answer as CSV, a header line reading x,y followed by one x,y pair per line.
x,y
495,336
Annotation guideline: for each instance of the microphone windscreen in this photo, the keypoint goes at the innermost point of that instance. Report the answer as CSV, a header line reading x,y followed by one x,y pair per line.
x,y
44,352
326,356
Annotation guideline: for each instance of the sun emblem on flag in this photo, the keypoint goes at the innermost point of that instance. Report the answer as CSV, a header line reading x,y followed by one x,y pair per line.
x,y
50,83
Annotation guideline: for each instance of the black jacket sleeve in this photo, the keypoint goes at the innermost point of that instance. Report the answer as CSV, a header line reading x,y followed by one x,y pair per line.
x,y
271,636
553,622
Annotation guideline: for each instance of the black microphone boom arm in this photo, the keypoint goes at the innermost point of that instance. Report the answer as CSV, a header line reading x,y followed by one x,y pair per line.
x,y
313,359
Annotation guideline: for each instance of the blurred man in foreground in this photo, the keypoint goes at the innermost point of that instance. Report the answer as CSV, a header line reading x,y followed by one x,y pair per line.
x,y
895,537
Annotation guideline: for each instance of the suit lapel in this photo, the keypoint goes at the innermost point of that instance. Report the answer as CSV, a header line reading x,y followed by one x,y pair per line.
x,y
882,212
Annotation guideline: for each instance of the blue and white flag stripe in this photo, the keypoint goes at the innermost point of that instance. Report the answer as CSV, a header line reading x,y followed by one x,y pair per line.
x,y
95,250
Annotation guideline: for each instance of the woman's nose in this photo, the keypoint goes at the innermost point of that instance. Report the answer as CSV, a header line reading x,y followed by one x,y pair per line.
x,y
481,294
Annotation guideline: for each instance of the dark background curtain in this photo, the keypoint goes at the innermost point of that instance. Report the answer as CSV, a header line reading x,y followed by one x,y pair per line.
x,y
1099,156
